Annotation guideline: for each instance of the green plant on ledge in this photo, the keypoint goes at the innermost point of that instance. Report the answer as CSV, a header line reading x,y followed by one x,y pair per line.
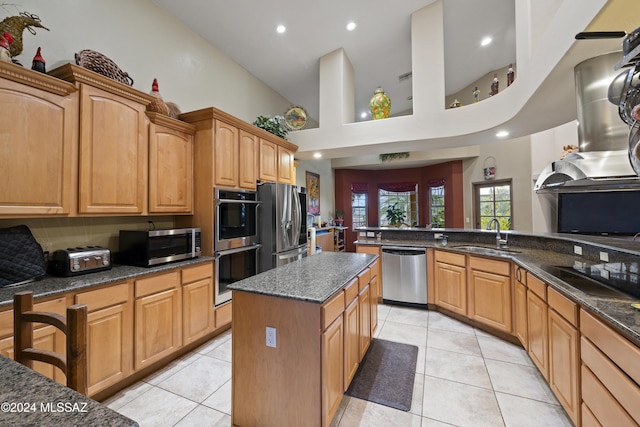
x,y
272,125
395,215
393,156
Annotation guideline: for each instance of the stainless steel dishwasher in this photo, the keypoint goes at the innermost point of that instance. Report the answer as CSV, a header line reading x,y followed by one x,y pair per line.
x,y
404,275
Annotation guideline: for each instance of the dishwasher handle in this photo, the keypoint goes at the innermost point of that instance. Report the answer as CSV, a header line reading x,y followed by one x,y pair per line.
x,y
405,251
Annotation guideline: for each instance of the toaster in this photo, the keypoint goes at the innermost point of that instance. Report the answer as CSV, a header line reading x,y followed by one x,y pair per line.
x,y
79,260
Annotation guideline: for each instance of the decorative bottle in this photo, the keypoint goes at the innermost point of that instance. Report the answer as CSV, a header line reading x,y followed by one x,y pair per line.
x,y
510,75
495,85
476,95
380,104
38,63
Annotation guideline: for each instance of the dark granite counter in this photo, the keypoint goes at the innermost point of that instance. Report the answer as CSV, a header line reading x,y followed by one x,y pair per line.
x,y
313,279
533,253
51,285
30,399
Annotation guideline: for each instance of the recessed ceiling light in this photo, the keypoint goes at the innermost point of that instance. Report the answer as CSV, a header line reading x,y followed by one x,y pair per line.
x,y
502,134
485,41
351,26
317,155
363,115
281,29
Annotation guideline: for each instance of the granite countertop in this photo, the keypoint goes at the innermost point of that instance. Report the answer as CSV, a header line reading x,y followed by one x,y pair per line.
x,y
30,399
615,311
52,285
313,279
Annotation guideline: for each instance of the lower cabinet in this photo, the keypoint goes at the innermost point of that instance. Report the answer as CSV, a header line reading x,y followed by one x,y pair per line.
x,y
520,307
332,368
351,344
364,308
198,317
451,281
109,335
158,314
374,290
537,327
490,292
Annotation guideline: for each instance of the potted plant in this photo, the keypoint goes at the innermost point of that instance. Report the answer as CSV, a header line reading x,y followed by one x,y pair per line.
x,y
395,215
272,125
339,217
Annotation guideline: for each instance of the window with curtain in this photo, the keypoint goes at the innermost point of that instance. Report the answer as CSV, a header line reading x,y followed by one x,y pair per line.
x,y
401,196
359,193
494,200
436,206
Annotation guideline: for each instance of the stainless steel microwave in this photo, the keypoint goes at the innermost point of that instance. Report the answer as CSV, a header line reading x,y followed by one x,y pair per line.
x,y
145,248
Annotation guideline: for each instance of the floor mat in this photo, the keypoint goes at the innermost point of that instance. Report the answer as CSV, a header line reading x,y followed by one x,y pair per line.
x,y
386,374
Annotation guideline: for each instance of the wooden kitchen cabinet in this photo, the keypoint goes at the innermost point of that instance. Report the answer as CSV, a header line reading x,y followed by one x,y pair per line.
x,y
564,353
325,240
537,324
38,143
197,302
158,318
332,368
170,165
268,155
351,333
451,281
248,160
364,309
520,306
286,168
109,335
490,292
226,155
374,294
113,143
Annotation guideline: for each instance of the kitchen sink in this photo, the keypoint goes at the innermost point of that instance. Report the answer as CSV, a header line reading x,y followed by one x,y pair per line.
x,y
486,249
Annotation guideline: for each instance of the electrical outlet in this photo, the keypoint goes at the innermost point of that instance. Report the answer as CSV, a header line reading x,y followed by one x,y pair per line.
x,y
577,250
604,256
271,337
438,236
362,234
604,274
371,234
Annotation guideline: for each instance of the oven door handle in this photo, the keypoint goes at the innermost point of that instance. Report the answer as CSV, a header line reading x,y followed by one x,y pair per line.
x,y
218,254
248,202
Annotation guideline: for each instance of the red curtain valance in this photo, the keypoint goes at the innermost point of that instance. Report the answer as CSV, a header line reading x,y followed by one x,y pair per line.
x,y
435,182
359,187
398,187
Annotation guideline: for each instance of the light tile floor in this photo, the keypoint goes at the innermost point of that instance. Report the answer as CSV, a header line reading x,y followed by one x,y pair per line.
x,y
464,377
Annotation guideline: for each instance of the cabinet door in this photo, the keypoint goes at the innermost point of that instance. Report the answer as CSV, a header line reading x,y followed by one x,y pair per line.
x,y
332,369
520,313
325,241
451,287
36,150
197,309
364,309
248,161
351,342
268,161
373,289
490,299
109,335
226,155
538,332
564,364
170,171
113,154
286,169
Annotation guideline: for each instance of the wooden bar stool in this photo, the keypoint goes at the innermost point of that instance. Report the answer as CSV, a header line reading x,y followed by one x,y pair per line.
x,y
74,326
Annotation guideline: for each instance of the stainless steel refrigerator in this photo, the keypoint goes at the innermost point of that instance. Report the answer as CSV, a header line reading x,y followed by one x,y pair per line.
x,y
282,224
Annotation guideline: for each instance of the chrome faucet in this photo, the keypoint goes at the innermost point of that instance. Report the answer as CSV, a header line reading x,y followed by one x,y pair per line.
x,y
499,240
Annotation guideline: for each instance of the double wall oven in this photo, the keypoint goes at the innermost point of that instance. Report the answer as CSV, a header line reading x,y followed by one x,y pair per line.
x,y
235,235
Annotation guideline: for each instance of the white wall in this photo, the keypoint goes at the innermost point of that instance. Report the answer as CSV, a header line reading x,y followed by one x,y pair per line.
x,y
327,184
146,42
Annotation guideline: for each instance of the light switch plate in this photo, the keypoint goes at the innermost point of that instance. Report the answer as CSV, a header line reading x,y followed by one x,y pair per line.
x,y
604,256
271,337
577,250
371,234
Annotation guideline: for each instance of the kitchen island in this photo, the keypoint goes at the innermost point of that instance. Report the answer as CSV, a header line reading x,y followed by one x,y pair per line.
x,y
291,338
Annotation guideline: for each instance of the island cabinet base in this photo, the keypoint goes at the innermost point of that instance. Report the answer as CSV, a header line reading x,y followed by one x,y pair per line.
x,y
276,386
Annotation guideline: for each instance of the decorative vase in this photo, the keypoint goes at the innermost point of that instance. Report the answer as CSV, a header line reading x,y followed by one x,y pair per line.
x,y
380,104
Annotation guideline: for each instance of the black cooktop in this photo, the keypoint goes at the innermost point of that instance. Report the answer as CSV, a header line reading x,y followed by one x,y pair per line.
x,y
602,280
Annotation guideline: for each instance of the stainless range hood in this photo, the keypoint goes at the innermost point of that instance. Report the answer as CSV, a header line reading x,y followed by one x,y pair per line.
x,y
602,162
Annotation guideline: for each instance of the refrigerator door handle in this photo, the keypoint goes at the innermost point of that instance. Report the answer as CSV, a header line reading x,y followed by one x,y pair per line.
x,y
297,215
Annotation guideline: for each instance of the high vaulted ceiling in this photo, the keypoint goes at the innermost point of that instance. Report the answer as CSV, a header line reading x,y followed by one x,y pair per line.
x,y
379,48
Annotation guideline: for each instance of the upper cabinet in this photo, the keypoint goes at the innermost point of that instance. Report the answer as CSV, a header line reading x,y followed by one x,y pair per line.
x,y
36,156
268,161
170,165
225,159
286,169
113,143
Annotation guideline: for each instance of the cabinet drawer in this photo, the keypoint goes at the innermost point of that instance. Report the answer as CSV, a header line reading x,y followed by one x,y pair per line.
x,y
625,391
490,265
364,278
332,309
604,407
105,297
351,291
58,305
617,348
156,284
451,258
537,286
563,306
224,314
375,268
192,274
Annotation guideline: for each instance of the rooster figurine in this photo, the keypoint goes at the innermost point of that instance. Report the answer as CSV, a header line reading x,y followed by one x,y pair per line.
x,y
5,45
38,63
157,105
